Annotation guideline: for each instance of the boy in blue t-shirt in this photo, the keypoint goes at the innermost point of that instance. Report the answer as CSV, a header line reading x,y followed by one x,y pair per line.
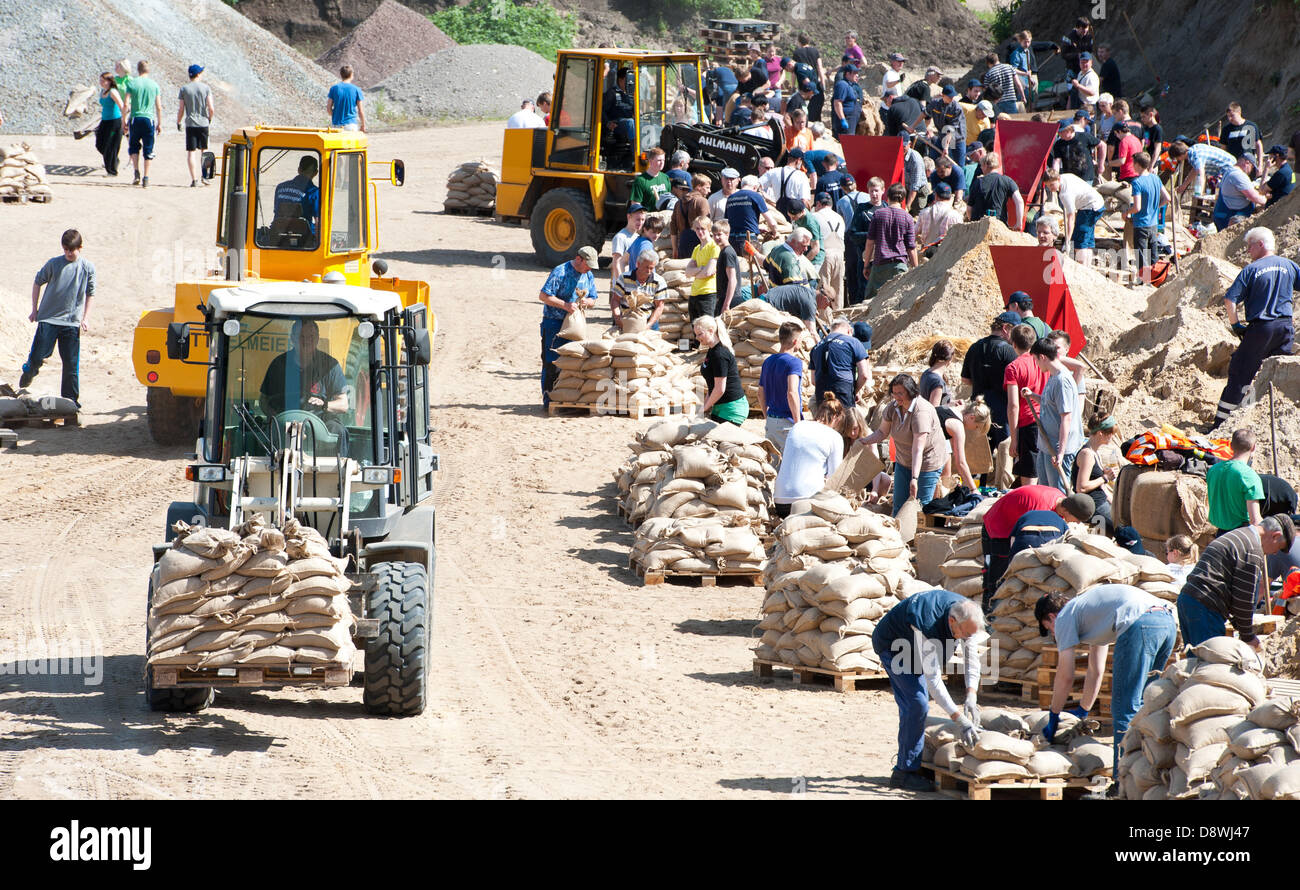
x,y
1149,194
782,381
344,103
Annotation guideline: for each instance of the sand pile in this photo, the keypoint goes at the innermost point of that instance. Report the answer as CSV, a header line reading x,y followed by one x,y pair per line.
x,y
1281,653
1200,283
1283,218
486,80
391,38
1284,373
956,294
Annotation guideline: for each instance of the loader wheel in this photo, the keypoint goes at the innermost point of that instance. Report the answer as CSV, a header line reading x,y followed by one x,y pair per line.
x,y
562,221
170,698
173,419
397,659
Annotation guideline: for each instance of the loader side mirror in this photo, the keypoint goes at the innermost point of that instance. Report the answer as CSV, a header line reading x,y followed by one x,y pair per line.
x,y
178,341
397,172
419,346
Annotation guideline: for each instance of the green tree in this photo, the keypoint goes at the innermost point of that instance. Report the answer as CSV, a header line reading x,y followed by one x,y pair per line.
x,y
537,27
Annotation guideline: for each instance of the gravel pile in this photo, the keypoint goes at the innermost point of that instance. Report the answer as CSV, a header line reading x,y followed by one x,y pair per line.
x,y
49,50
390,39
486,80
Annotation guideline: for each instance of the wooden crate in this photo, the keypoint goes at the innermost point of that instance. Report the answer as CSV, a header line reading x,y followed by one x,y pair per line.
x,y
705,579
956,785
842,681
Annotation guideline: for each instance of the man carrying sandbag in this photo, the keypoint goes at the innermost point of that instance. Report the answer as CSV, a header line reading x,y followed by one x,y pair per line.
x,y
1000,524
1229,579
912,641
569,287
1141,628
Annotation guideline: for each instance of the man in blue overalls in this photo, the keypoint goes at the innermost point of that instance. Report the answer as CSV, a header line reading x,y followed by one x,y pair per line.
x,y
912,642
570,286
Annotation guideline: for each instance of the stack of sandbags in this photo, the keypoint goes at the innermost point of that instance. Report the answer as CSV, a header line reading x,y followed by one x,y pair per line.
x,y
35,407
472,186
1207,729
963,570
722,543
1160,504
1070,566
753,327
21,173
1012,746
834,571
251,596
675,322
627,372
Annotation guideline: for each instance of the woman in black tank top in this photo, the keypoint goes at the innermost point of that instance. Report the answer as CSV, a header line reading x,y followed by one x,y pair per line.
x,y
1090,477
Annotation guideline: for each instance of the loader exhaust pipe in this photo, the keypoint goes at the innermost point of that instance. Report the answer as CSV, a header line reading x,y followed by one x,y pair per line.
x,y
237,215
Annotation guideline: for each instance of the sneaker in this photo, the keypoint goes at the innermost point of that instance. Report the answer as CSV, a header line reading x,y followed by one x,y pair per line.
x,y
144,183
205,182
916,782
136,180
194,183
26,380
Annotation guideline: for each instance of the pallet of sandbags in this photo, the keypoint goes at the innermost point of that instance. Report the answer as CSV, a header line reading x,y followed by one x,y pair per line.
x,y
248,606
702,547
963,569
22,176
1210,729
25,410
833,572
753,328
628,374
472,188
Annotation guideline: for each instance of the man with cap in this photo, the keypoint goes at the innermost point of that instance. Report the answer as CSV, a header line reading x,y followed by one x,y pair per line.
x,y
894,73
620,246
1262,293
933,75
985,366
692,202
569,287
1074,150
846,101
1086,86
1001,519
195,111
1139,626
985,119
906,112
1230,579
914,641
933,222
1001,78
799,101
1021,302
730,178
839,363
1282,180
1237,196
950,123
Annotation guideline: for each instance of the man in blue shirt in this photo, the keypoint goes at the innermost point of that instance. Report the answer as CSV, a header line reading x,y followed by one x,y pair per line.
x,y
782,381
344,105
840,363
744,207
1263,291
570,286
1282,181
846,102
1149,195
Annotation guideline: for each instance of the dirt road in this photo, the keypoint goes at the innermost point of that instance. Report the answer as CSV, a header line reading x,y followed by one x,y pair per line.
x,y
556,674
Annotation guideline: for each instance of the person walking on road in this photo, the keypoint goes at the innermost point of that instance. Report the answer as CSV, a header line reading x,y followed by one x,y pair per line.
x,y
146,112
108,135
61,314
195,111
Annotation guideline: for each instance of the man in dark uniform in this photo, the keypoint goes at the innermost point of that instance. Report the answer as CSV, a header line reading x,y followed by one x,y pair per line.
x,y
301,190
304,378
984,368
620,124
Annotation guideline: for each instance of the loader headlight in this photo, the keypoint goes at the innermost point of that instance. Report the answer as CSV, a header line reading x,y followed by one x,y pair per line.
x,y
230,327
366,330
378,475
205,473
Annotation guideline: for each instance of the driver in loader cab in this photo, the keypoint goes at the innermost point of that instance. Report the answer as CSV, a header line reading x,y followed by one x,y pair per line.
x,y
304,378
619,113
300,196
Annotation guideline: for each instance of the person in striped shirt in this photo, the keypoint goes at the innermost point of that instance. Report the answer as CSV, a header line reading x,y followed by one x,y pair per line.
x,y
1204,161
1002,77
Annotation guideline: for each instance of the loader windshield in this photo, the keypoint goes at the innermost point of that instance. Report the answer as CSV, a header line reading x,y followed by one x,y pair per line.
x,y
316,371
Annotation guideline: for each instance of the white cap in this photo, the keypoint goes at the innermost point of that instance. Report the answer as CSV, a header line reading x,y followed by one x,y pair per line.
x,y
985,107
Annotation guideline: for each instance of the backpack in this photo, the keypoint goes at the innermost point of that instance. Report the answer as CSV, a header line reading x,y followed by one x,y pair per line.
x,y
860,223
785,203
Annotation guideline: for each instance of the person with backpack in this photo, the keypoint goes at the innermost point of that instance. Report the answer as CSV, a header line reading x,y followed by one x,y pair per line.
x,y
790,184
855,237
839,363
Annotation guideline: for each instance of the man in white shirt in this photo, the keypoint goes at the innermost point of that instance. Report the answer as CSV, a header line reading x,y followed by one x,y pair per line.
x,y
1082,205
831,276
619,247
1087,86
730,177
525,118
934,221
789,182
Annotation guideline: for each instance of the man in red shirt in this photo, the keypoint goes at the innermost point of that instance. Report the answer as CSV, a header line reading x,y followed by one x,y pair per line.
x,y
1022,431
1001,519
1128,146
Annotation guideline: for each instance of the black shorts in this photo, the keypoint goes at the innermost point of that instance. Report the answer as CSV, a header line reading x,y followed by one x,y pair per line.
x,y
700,305
196,138
1027,444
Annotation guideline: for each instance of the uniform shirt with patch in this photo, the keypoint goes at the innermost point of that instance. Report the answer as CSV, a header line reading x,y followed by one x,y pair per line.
x,y
1265,287
288,384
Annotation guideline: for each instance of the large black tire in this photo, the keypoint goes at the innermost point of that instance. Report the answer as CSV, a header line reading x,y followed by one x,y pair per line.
x,y
173,419
397,674
171,698
562,221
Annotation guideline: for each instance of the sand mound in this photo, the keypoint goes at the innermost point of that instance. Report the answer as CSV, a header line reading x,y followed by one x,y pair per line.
x,y
1283,218
391,38
1284,373
1200,284
956,294
486,80
1281,653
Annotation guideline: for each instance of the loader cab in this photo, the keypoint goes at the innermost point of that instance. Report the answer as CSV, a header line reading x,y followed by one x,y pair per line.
x,y
299,203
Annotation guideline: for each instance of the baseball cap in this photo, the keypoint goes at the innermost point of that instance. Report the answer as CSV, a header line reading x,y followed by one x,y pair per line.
x,y
1120,127
943,190
679,177
589,254
934,69
1085,57
822,198
949,91
635,208
1065,125
1020,298
1127,537
862,333
195,69
1079,505
1082,115
974,83
786,61
1277,150
985,107
1288,530
730,173
897,57
850,68
795,152
1249,158
1010,317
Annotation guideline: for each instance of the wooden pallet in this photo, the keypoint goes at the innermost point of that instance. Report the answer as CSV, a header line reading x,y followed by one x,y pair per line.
x,y
26,199
939,521
1264,625
469,211
336,673
963,787
45,420
1025,690
596,410
842,681
705,579
1047,680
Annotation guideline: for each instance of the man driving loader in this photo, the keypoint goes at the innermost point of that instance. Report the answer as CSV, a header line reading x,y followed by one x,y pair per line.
x,y
304,378
299,198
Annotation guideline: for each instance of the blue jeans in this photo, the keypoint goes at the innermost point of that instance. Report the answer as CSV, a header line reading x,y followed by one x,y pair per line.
x,y
1010,106
913,698
1197,621
1144,647
140,136
550,330
925,484
68,339
1047,473
1223,217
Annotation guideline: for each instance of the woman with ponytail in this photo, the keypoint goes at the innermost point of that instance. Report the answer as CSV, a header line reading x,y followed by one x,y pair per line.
x,y
813,451
1090,477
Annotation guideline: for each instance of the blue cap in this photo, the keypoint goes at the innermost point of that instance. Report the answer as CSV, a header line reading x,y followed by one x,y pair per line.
x,y
1065,125
1127,537
862,332
1085,56
943,190
1008,317
195,69
850,68
679,177
1279,150
795,152
949,91
1020,298
786,61
635,208
822,197
1082,115
973,83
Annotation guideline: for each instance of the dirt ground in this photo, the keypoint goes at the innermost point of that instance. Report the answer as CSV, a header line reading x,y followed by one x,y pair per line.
x,y
555,673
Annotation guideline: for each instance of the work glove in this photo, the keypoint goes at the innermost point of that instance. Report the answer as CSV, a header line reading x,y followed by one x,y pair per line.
x,y
1080,712
1239,329
968,731
971,710
1049,731
843,125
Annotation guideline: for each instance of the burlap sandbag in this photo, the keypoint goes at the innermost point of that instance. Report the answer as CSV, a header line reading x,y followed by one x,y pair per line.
x,y
1249,742
993,770
264,565
1197,701
1000,746
1082,571
812,539
575,326
1228,650
1247,684
1207,731
179,563
209,543
1049,763
1275,714
1090,757
1283,784
1158,694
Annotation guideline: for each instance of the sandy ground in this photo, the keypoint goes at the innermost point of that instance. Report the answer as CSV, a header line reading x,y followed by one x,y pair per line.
x,y
555,673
